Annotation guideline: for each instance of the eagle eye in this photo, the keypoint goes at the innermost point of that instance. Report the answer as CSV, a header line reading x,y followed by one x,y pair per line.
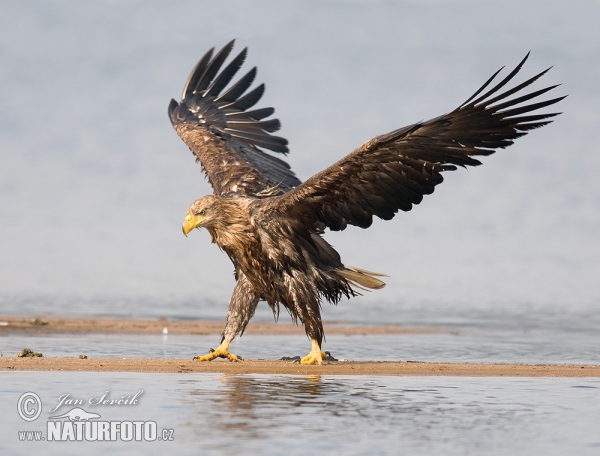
x,y
202,212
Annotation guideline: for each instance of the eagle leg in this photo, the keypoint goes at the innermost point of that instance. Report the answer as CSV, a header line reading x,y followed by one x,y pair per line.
x,y
222,351
315,356
241,309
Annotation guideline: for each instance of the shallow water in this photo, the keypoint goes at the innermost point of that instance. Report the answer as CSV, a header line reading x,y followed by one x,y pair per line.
x,y
271,414
506,335
464,346
250,414
564,318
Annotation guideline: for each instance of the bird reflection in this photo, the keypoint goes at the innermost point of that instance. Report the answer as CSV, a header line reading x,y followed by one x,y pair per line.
x,y
245,393
251,406
231,412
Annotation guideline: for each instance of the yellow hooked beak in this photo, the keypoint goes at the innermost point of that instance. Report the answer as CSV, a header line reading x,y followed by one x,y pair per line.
x,y
191,221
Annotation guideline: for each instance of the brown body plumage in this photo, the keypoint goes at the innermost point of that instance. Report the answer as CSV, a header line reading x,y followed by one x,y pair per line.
x,y
281,261
270,224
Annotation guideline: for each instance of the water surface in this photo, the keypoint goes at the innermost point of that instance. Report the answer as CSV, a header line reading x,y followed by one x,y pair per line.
x,y
515,346
271,414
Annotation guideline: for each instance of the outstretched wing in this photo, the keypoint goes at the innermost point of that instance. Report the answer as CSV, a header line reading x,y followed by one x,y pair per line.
x,y
395,170
225,135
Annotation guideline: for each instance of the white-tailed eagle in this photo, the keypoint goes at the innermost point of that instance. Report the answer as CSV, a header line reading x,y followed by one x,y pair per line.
x,y
270,224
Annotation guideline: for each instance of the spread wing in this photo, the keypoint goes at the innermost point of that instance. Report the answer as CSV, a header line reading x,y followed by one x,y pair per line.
x,y
394,171
216,122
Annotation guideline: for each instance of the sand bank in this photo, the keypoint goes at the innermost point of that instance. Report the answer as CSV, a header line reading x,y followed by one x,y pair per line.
x,y
53,325
286,367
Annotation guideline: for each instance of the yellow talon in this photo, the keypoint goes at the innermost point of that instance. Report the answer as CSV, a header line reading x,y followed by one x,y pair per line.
x,y
315,356
222,351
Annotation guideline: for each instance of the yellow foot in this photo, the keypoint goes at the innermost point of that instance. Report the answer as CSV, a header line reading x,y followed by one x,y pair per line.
x,y
222,351
315,356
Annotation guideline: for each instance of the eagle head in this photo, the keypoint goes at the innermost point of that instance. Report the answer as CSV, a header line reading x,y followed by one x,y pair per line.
x,y
201,214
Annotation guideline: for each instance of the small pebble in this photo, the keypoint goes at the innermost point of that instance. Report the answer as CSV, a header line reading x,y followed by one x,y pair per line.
x,y
294,359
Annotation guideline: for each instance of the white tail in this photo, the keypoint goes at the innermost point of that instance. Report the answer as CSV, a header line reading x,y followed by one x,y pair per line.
x,y
362,278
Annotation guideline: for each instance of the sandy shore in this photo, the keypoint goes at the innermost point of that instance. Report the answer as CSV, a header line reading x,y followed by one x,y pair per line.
x,y
286,367
52,325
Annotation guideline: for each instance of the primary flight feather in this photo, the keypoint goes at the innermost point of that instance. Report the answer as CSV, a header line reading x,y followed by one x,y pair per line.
x,y
270,224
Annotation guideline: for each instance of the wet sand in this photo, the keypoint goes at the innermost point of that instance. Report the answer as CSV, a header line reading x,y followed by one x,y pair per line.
x,y
47,325
53,325
286,367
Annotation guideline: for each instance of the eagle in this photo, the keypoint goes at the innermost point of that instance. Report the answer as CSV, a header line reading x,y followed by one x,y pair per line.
x,y
271,224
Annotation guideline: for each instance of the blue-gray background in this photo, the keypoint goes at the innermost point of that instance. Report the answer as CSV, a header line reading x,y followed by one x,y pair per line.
x,y
94,183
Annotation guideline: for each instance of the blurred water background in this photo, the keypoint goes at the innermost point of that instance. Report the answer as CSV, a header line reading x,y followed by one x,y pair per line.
x,y
94,183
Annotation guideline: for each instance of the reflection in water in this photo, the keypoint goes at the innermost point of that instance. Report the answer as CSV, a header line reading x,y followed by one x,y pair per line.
x,y
287,414
352,414
250,407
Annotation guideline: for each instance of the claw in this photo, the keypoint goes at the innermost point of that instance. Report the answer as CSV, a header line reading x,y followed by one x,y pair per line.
x,y
222,351
315,356
312,358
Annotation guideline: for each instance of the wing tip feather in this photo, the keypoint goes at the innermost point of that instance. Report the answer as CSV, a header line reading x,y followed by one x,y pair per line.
x,y
203,104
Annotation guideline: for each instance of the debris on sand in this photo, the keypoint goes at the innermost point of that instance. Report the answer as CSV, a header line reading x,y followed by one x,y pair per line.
x,y
28,353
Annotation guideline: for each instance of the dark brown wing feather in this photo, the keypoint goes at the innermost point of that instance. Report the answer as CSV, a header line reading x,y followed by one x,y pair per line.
x,y
225,135
395,170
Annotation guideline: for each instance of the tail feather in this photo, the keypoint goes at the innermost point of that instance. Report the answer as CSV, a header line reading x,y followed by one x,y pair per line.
x,y
362,278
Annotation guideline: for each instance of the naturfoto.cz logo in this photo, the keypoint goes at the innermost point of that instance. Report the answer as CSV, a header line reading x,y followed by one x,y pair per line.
x,y
78,424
